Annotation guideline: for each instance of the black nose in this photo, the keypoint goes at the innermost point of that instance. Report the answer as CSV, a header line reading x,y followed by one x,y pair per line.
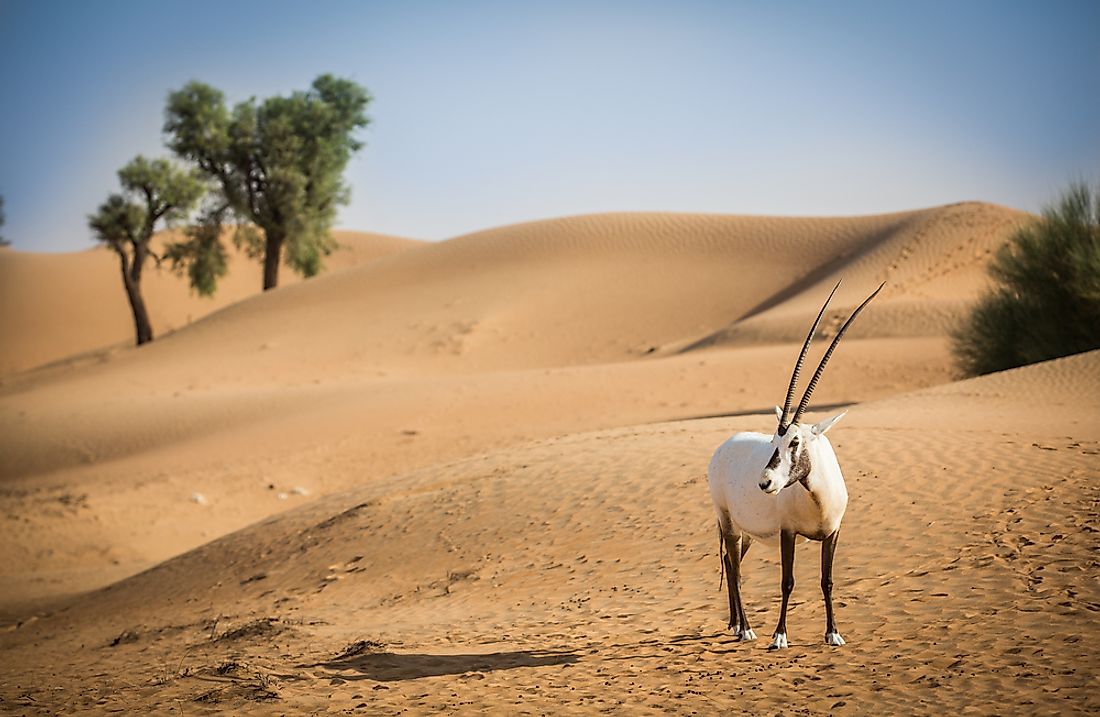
x,y
764,485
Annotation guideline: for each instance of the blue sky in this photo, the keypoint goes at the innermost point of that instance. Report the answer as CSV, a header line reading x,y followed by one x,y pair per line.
x,y
488,113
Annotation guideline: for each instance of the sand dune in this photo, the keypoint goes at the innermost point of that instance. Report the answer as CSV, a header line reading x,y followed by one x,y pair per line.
x,y
484,458
580,574
547,295
449,349
55,305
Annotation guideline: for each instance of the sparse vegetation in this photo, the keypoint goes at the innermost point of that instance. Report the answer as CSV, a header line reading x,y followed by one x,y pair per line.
x,y
279,165
154,192
3,241
359,647
260,627
1045,301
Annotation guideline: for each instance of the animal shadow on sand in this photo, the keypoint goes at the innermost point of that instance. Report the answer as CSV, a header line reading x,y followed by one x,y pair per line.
x,y
396,666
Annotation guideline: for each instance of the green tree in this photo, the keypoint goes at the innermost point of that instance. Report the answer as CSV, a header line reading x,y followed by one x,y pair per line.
x,y
1045,299
154,192
3,241
279,165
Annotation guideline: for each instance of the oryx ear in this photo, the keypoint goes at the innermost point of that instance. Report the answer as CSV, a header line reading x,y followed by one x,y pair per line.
x,y
778,413
820,428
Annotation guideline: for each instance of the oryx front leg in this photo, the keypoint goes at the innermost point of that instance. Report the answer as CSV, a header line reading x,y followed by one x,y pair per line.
x,y
828,550
786,544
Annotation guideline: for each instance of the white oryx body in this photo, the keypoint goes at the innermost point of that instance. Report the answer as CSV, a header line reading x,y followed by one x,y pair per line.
x,y
784,488
734,476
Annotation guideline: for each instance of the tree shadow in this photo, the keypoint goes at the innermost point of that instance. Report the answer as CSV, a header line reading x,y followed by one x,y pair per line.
x,y
395,666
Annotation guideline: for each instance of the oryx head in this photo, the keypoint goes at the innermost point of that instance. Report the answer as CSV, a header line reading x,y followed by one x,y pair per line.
x,y
790,461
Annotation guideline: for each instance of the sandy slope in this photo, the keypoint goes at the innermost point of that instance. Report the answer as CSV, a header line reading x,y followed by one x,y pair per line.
x,y
56,305
490,484
578,574
446,350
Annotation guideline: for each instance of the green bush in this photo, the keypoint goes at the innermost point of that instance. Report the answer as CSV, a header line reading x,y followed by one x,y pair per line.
x,y
1045,301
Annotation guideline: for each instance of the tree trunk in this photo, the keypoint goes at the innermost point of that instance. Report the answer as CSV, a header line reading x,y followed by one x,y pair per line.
x,y
273,250
131,279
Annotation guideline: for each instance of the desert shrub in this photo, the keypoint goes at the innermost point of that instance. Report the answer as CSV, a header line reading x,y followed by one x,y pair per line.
x,y
3,241
1045,298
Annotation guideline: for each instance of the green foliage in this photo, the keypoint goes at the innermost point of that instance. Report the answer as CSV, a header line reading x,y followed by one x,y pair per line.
x,y
3,241
201,255
279,163
118,222
1045,301
169,193
153,191
248,240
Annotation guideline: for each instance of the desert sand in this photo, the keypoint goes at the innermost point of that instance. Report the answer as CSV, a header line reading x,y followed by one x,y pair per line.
x,y
471,476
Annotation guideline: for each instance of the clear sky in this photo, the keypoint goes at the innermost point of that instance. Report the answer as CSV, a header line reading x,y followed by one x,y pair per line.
x,y
488,113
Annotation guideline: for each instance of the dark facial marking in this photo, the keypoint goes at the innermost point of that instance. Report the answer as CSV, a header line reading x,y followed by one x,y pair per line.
x,y
774,462
800,467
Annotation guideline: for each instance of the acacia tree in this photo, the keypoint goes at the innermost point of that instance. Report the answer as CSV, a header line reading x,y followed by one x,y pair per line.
x,y
154,192
279,165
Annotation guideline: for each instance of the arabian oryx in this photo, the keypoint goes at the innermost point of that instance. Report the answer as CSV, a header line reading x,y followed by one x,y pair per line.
x,y
784,487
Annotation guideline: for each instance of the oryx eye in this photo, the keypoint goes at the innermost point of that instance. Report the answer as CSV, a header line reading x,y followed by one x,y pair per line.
x,y
794,445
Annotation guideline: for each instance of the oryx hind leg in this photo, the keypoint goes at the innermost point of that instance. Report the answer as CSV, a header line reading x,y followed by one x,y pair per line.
x,y
735,545
828,551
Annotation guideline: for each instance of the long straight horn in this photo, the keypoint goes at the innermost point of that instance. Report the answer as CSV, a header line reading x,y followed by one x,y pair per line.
x,y
825,359
783,425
